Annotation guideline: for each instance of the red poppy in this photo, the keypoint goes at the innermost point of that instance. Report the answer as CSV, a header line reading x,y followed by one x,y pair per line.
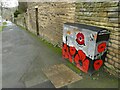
x,y
72,50
98,64
102,47
80,39
85,62
81,55
65,51
76,59
84,67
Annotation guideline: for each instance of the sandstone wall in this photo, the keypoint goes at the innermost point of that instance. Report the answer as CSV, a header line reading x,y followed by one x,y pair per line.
x,y
31,20
20,20
51,17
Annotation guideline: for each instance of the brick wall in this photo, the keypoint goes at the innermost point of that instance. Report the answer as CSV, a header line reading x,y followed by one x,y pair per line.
x,y
103,14
51,17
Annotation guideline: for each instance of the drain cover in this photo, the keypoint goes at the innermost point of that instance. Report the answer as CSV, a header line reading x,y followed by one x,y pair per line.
x,y
60,75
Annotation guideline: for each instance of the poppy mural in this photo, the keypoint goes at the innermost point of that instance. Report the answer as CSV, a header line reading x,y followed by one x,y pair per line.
x,y
80,39
85,46
101,47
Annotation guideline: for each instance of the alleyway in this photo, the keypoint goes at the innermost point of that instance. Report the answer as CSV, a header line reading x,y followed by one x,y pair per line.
x,y
19,50
23,57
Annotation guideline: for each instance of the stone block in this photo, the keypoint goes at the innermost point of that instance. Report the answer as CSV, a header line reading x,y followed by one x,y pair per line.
x,y
115,41
113,20
110,49
113,14
113,9
111,53
106,59
115,37
116,51
115,46
117,70
110,66
109,56
116,59
111,61
112,72
117,65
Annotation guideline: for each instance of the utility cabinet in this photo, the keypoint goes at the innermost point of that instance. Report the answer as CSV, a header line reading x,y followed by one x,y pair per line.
x,y
85,46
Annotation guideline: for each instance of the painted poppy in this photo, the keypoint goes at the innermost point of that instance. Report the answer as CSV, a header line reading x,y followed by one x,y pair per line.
x,y
102,47
80,39
81,55
85,65
65,51
72,50
81,62
76,59
98,64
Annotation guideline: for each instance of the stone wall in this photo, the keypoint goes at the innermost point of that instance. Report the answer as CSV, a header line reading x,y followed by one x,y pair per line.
x,y
51,17
31,20
103,14
20,20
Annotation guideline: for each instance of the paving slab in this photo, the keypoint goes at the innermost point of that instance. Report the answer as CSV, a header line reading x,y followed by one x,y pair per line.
x,y
60,75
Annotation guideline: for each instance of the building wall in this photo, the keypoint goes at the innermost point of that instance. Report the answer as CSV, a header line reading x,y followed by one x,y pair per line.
x,y
31,20
51,17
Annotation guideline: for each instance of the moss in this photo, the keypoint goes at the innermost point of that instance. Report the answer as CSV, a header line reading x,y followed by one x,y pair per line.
x,y
51,46
73,67
4,23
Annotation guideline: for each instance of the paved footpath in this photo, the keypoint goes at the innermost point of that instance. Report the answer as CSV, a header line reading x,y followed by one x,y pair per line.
x,y
23,57
19,50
